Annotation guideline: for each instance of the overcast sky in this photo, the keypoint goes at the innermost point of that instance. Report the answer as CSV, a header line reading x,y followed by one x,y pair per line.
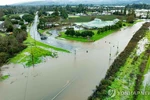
x,y
4,2
7,2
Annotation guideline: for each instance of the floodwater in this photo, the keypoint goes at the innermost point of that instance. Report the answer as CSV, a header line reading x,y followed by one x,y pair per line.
x,y
71,76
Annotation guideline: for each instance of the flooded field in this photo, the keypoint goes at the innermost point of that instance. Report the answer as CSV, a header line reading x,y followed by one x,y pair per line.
x,y
71,76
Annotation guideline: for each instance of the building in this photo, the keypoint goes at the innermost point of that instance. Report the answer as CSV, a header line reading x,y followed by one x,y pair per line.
x,y
2,28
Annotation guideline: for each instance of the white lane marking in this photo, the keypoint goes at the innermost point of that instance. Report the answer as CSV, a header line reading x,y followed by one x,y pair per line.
x,y
64,87
68,83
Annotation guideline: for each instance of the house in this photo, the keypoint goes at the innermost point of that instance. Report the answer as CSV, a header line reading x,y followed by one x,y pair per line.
x,y
48,24
49,13
2,28
17,26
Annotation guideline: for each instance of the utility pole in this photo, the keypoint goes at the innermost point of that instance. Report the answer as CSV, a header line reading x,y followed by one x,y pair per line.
x,y
110,56
117,48
26,85
32,56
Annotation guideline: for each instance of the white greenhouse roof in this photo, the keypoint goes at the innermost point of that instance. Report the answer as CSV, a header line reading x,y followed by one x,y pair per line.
x,y
98,23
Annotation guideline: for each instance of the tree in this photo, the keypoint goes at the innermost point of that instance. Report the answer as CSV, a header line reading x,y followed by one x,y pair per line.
x,y
23,27
77,34
125,9
10,28
70,31
7,23
1,13
130,18
80,8
20,35
28,18
3,57
147,16
56,12
63,13
87,34
21,23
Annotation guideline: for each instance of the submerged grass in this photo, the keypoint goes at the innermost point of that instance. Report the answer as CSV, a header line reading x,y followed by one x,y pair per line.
x,y
4,77
34,52
31,55
125,80
147,71
125,77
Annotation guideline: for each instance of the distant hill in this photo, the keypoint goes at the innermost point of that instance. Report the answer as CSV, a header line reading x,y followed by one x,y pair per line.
x,y
72,2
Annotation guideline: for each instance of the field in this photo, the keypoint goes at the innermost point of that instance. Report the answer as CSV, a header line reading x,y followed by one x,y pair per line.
x,y
90,18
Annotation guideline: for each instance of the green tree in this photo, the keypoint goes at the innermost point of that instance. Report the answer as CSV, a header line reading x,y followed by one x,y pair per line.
x,y
125,10
63,13
10,28
23,27
70,31
28,18
56,12
1,13
130,18
7,23
3,58
147,16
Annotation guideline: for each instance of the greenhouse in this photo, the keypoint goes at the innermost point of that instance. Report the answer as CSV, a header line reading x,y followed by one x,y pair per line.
x,y
98,23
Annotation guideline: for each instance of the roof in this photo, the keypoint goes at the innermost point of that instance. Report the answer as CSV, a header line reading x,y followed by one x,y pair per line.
x,y
1,22
98,23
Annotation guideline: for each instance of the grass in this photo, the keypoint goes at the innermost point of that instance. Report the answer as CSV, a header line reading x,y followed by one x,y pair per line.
x,y
4,77
89,18
94,38
30,55
34,52
2,34
148,35
125,78
41,31
147,88
131,24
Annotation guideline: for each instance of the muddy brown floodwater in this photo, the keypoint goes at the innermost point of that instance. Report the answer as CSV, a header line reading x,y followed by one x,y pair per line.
x,y
70,76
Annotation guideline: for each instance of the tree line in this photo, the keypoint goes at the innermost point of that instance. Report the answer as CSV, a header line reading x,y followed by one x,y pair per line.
x,y
12,44
138,6
112,27
72,32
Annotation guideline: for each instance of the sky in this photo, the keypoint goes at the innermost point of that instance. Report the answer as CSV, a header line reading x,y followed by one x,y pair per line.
x,y
4,2
7,2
